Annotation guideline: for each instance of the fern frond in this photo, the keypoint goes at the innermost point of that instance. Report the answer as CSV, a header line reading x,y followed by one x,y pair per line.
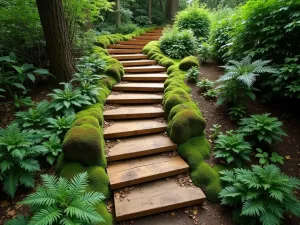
x,y
92,198
10,184
19,220
47,216
40,198
78,184
253,208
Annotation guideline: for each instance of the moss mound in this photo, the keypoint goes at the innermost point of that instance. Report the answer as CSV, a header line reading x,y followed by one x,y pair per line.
x,y
60,163
174,97
108,82
86,120
69,170
96,113
173,83
102,210
85,145
185,125
188,62
115,71
190,106
212,190
98,180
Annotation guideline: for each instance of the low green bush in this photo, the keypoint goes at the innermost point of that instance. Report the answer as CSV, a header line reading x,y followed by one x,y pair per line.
x,y
204,52
192,74
188,62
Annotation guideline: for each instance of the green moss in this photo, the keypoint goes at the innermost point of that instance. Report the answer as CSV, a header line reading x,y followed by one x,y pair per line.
x,y
212,190
85,145
96,113
203,175
188,62
115,71
109,82
181,107
100,51
172,83
185,125
102,210
98,180
60,163
172,69
69,170
86,120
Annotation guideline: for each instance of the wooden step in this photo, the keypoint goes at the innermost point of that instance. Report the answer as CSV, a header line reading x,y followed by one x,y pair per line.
x,y
142,62
130,56
145,69
146,38
134,128
133,98
140,146
156,31
144,87
124,51
133,112
156,197
125,46
135,42
145,77
152,34
141,170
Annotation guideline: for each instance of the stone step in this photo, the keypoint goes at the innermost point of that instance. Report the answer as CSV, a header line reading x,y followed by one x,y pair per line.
x,y
125,46
134,128
147,38
142,87
135,42
141,62
134,98
145,77
133,112
145,69
140,146
156,197
141,170
130,56
124,51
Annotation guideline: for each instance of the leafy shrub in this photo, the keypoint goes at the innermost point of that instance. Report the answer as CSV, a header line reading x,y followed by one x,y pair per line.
x,y
177,44
126,28
211,94
84,42
92,62
60,125
262,128
90,90
216,130
232,148
53,146
68,99
19,150
238,80
270,30
205,84
204,51
261,194
35,117
192,74
237,112
87,75
264,157
65,201
195,18
22,101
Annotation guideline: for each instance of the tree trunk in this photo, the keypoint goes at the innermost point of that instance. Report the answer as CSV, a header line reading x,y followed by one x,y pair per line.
x,y
118,13
150,11
171,9
57,38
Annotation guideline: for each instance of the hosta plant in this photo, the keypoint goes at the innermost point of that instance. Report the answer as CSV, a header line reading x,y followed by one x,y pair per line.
x,y
92,62
68,99
59,201
87,75
264,158
262,128
54,148
90,90
60,125
262,194
34,117
237,112
211,94
192,74
205,84
232,148
18,153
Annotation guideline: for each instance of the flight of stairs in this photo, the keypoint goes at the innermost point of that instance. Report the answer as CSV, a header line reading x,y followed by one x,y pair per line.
x,y
140,152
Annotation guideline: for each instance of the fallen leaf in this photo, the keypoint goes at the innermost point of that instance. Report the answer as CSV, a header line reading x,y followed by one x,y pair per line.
x,y
4,204
288,157
11,213
195,212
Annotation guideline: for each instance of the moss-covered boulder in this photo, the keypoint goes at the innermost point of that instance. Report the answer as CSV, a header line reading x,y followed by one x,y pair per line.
x,y
60,163
171,84
185,125
172,69
98,180
115,71
108,82
70,170
96,113
85,145
86,120
102,210
100,51
173,98
188,62
182,107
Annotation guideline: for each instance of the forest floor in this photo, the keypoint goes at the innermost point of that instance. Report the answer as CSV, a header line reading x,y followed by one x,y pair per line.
x,y
207,213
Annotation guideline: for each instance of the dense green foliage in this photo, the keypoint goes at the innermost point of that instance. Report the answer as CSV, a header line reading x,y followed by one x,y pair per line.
x,y
204,51
205,84
59,201
260,194
177,44
237,112
192,74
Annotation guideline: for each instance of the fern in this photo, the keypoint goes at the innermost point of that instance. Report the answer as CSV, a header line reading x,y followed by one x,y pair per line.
x,y
18,153
233,149
192,74
205,84
263,194
262,127
53,145
237,112
60,201
60,125
19,220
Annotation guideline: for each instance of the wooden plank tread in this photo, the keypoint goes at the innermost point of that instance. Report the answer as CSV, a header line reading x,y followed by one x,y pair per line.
x,y
133,112
148,87
129,56
148,168
145,77
145,69
142,62
156,197
140,146
133,98
118,46
134,128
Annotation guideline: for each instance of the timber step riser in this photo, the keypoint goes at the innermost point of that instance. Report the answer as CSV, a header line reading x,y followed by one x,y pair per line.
x,y
133,101
133,116
139,89
135,133
144,78
135,42
144,70
125,47
129,57
138,63
124,51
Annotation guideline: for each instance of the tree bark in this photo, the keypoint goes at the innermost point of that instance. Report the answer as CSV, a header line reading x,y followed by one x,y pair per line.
x,y
118,13
57,38
171,9
150,11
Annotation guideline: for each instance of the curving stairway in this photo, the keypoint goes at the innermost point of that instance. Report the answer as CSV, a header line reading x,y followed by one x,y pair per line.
x,y
143,168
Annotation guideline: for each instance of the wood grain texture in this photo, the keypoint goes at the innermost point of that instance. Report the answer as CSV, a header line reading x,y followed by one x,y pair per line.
x,y
141,62
145,69
147,168
132,98
145,77
125,46
139,87
130,56
124,51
